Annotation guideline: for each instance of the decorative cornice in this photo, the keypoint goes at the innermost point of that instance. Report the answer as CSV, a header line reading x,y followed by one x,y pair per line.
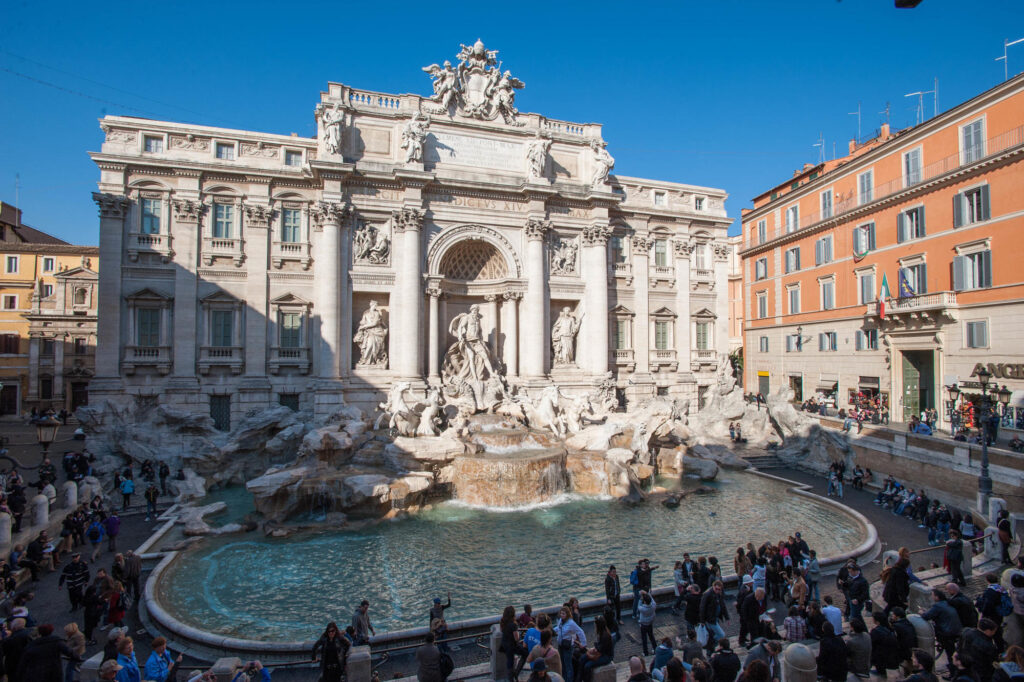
x,y
536,228
407,219
111,205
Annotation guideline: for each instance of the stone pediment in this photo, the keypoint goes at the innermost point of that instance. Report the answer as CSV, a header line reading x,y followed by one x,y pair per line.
x,y
148,294
622,310
220,296
704,314
290,299
663,312
80,272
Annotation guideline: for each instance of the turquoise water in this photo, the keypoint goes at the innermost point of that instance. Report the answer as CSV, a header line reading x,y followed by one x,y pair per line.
x,y
263,588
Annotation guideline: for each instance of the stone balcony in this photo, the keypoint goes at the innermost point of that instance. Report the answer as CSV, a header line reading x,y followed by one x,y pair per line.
x,y
158,357
231,357
289,357
703,359
219,247
624,358
936,306
703,275
290,251
140,242
664,358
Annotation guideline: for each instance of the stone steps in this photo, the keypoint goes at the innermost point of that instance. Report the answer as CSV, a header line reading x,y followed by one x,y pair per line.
x,y
765,462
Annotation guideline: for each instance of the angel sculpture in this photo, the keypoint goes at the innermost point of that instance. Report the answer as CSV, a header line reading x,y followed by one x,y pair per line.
x,y
502,93
446,83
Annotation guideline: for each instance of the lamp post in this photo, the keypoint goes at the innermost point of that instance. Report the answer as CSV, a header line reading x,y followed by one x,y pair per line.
x,y
986,409
46,431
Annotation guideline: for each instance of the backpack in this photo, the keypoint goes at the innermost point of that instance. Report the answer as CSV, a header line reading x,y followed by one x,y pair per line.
x,y
634,578
447,665
94,532
1005,607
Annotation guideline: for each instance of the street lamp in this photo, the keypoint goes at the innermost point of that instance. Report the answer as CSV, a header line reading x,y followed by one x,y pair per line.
x,y
986,409
954,395
46,431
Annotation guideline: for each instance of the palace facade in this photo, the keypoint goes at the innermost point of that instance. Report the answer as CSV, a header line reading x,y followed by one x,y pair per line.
x,y
241,269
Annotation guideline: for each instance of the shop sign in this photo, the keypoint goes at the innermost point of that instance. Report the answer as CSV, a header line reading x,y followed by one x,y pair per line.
x,y
1000,370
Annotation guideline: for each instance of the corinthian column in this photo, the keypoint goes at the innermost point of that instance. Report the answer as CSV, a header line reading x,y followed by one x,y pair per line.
x,y
326,276
595,277
433,340
682,249
534,338
511,306
113,209
408,223
641,288
188,214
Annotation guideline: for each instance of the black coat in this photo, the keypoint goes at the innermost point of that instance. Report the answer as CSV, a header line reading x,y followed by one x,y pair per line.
x,y
725,666
859,589
42,660
964,610
750,613
897,588
832,655
13,647
906,635
885,649
340,646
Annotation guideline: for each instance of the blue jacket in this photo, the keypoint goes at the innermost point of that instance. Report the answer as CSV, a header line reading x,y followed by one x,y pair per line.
x,y
158,667
129,671
127,486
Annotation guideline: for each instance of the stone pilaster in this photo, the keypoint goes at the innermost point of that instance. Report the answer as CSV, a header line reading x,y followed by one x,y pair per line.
x,y
594,329
58,368
183,385
113,209
492,313
533,339
721,340
328,216
641,301
408,226
33,368
682,249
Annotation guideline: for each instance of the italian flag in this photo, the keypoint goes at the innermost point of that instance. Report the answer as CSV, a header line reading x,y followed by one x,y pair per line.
x,y
883,294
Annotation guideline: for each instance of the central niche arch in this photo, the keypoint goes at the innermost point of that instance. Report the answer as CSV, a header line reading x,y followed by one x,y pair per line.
x,y
473,253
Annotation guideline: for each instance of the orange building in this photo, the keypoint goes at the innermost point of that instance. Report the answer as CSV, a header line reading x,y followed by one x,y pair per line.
x,y
936,211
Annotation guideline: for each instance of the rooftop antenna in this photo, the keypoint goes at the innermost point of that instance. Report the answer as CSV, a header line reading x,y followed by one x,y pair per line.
x,y
886,112
820,144
17,189
857,114
935,96
920,102
1006,62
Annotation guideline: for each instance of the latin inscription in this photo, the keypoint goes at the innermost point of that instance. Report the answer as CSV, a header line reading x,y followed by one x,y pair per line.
x,y
463,150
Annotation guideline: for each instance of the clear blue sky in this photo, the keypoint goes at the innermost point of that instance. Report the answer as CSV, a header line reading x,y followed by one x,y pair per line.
x,y
723,93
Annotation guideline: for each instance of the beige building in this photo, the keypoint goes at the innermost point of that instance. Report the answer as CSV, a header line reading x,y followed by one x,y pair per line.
x,y
242,269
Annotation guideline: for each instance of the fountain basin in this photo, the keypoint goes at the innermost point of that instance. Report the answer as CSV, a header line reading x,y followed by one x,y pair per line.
x,y
515,478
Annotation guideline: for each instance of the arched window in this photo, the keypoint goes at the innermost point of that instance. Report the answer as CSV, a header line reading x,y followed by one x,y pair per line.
x,y
81,296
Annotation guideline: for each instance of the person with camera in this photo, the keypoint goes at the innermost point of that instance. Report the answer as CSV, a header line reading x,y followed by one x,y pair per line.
x,y
250,671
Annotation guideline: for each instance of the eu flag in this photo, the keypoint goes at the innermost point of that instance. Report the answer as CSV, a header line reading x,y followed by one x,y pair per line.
x,y
904,285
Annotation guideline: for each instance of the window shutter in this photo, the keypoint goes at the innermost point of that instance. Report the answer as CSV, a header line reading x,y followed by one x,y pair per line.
x,y
970,335
959,272
985,213
817,252
871,236
821,342
859,340
922,282
920,222
796,254
982,333
856,240
985,264
901,228
958,210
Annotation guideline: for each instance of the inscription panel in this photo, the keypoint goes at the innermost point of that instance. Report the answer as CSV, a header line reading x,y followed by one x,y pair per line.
x,y
477,152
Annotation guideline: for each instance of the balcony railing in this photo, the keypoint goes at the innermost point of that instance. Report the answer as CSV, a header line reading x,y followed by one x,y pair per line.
x,y
993,145
705,355
289,357
624,358
141,242
665,357
220,247
940,300
158,357
703,274
290,251
221,356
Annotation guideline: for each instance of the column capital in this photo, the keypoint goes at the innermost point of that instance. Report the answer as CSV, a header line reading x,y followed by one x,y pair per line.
x,y
597,234
258,215
512,295
641,244
434,292
490,298
682,247
188,210
536,228
407,219
721,251
111,205
328,212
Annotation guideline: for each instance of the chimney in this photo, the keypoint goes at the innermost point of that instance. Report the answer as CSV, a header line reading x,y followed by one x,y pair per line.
x,y
853,146
885,131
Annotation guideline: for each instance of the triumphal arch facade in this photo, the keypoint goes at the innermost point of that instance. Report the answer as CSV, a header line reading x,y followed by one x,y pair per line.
x,y
408,236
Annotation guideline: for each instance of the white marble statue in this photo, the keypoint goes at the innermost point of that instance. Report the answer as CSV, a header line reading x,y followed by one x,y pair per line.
x,y
429,417
332,120
580,411
537,155
469,358
446,83
563,256
603,163
563,337
398,413
547,414
371,245
413,137
501,92
371,336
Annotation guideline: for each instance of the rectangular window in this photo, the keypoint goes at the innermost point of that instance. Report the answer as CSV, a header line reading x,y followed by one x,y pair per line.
x,y
917,278
222,323
659,199
762,306
977,334
291,225
703,336
148,327
220,411
698,204
10,344
794,300
793,259
81,346
661,253
794,344
823,251
762,231
46,349
661,330
49,264
151,216
762,344
863,239
47,290
865,187
289,400
827,342
972,142
292,158
910,224
10,301
867,288
972,271
792,218
970,206
761,268
226,151
618,253
621,334
46,388
12,265
866,339
153,144
291,330
826,204
223,221
912,167
700,256
828,294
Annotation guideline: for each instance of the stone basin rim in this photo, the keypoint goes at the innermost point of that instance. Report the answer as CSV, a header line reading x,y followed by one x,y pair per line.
x,y
186,636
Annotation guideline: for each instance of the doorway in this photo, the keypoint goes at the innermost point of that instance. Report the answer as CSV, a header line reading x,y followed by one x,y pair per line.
x,y
9,399
763,383
79,395
918,382
796,384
